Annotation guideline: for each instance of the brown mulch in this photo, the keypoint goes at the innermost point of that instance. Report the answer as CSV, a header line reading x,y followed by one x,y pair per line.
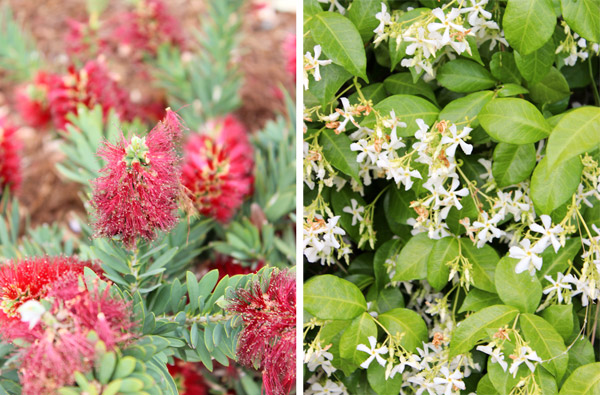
x,y
45,196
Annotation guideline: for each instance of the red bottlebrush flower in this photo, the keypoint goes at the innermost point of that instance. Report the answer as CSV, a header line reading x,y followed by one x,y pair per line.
x,y
289,51
218,167
29,279
32,100
227,266
139,187
268,340
63,345
83,39
10,161
149,26
90,86
188,380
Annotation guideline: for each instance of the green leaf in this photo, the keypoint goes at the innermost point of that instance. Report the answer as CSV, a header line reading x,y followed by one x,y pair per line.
x,y
105,367
357,333
474,327
485,386
407,108
537,64
512,163
551,88
551,188
585,380
412,260
477,299
581,353
332,79
388,250
575,133
582,17
331,298
406,322
484,261
560,316
402,84
397,205
528,24
548,344
444,251
504,68
362,14
381,385
513,121
461,75
388,299
555,262
520,290
467,107
340,42
509,90
374,92
336,149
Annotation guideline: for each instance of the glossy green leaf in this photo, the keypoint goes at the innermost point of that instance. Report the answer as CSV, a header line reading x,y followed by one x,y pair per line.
x,y
551,88
551,188
336,149
555,262
362,14
513,121
504,68
483,261
585,380
528,24
548,344
381,385
388,250
332,79
474,327
477,299
407,108
340,42
406,322
332,298
444,251
580,354
412,261
357,333
534,66
402,84
560,316
461,75
575,133
467,107
582,17
520,290
512,163
509,90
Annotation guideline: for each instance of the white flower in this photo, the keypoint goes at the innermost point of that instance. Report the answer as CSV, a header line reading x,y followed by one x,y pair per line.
x,y
488,229
457,139
347,114
496,354
446,23
31,312
524,354
529,260
320,358
475,10
487,164
412,361
581,196
373,352
330,388
548,231
355,210
423,128
313,63
451,381
451,195
557,286
404,175
384,18
581,287
334,3
429,46
393,123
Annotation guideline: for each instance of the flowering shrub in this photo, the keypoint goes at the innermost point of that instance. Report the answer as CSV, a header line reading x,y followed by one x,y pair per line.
x,y
177,276
452,186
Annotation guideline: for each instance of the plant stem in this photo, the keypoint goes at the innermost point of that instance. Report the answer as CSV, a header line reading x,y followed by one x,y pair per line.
x,y
594,80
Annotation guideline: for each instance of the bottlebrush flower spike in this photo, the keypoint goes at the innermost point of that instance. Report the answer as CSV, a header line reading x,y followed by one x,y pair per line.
x,y
10,161
32,100
268,340
137,193
187,378
149,26
90,86
31,279
64,345
218,168
227,266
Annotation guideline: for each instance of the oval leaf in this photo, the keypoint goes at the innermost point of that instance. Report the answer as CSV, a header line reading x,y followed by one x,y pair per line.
x,y
400,320
467,107
582,16
463,76
520,290
336,149
551,188
513,121
357,333
402,84
331,298
528,24
412,260
584,380
537,64
444,251
551,88
512,163
548,344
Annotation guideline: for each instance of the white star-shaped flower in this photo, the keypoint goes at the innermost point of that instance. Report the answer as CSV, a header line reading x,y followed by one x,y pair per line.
x,y
457,139
488,231
384,18
524,354
549,233
528,256
496,355
557,286
374,353
355,210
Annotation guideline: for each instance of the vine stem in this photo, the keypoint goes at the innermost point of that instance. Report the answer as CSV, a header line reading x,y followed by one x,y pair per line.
x,y
594,87
200,320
